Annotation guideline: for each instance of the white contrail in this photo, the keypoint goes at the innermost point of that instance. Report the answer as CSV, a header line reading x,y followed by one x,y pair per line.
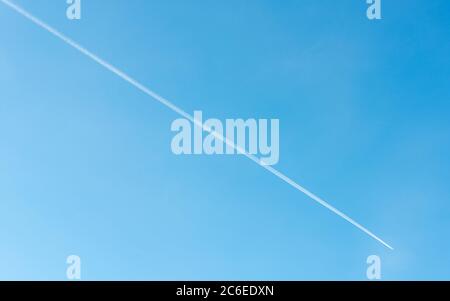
x,y
178,110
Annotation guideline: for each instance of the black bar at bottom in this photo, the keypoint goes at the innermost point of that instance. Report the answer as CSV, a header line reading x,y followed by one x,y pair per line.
x,y
217,290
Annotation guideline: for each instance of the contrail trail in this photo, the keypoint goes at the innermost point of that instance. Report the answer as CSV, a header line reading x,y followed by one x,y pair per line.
x,y
183,113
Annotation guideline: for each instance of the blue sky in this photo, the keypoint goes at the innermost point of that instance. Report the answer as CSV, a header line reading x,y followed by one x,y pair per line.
x,y
86,166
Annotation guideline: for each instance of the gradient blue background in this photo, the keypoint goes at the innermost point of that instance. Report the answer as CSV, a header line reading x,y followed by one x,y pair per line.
x,y
86,166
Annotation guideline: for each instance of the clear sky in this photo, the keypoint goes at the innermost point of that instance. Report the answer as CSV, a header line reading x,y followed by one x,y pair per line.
x,y
86,166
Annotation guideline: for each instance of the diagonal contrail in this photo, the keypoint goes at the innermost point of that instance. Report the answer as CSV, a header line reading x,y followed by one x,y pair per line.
x,y
178,110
